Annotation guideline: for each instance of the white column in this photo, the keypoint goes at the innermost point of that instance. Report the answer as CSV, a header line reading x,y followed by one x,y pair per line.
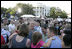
x,y
36,11
44,11
39,11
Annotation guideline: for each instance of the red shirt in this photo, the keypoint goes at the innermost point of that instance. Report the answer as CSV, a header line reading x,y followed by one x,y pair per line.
x,y
2,40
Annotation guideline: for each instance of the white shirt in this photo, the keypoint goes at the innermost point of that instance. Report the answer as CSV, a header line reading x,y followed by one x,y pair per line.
x,y
11,27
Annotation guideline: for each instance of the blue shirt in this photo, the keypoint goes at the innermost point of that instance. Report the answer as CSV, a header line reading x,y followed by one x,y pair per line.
x,y
30,34
55,43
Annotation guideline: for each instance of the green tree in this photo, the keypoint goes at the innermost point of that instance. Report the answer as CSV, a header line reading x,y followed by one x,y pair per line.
x,y
3,11
8,10
52,12
26,9
55,12
13,12
63,14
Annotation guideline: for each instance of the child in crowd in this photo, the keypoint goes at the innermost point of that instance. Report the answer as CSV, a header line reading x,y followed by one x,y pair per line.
x,y
37,41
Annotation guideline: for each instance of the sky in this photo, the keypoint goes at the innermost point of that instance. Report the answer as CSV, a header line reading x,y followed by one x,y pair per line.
x,y
63,5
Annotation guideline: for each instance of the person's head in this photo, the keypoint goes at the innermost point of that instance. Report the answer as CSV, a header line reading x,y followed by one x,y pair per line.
x,y
23,30
55,24
12,22
37,24
38,21
67,40
31,25
44,29
67,31
53,31
68,26
2,25
9,22
36,37
18,28
46,21
21,20
5,21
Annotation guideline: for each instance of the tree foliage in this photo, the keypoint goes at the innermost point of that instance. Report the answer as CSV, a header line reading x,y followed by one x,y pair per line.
x,y
25,9
55,12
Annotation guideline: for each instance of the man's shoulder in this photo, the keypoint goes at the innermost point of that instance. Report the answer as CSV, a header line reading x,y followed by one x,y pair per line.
x,y
57,37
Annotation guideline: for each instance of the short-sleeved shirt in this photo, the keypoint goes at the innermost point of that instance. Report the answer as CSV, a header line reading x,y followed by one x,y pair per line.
x,y
11,27
38,45
5,33
55,43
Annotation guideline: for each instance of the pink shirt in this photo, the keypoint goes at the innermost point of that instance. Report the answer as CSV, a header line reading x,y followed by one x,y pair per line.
x,y
38,45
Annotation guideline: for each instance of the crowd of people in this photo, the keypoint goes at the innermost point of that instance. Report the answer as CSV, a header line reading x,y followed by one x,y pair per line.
x,y
31,33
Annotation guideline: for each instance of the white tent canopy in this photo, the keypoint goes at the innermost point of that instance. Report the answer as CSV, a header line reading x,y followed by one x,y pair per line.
x,y
27,16
68,20
59,19
37,16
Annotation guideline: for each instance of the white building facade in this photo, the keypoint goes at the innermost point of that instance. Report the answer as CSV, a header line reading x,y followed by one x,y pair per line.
x,y
41,10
